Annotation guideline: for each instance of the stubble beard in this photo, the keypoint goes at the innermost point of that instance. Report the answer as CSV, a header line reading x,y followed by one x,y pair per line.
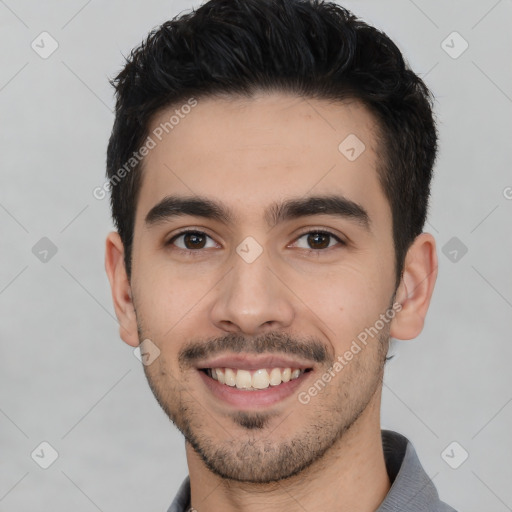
x,y
249,453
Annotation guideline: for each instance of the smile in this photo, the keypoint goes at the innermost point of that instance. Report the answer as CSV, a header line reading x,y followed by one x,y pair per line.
x,y
254,380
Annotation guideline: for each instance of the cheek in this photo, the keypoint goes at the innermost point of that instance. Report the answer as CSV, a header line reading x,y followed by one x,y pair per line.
x,y
165,300
346,301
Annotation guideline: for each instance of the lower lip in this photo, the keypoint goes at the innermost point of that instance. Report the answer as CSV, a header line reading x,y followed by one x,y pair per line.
x,y
253,399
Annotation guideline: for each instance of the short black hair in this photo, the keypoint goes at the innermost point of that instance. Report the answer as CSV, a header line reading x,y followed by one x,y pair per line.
x,y
310,48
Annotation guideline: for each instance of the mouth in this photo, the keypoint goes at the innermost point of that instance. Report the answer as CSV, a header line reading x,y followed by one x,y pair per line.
x,y
254,380
253,383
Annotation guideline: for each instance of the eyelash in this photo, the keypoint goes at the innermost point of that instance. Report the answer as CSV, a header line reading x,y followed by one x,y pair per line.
x,y
196,252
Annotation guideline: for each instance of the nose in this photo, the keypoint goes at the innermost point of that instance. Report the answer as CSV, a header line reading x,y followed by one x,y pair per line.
x,y
251,299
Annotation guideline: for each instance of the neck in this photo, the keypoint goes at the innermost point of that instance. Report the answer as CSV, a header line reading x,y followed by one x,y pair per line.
x,y
351,476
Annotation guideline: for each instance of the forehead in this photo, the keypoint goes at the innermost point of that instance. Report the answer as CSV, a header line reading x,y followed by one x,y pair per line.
x,y
248,152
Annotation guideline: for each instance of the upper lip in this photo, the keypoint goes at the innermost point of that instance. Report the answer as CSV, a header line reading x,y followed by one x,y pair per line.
x,y
254,362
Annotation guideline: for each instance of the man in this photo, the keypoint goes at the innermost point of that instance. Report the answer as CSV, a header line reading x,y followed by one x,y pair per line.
x,y
269,168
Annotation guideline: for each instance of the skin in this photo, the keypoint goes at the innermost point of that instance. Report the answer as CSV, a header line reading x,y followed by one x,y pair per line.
x,y
248,154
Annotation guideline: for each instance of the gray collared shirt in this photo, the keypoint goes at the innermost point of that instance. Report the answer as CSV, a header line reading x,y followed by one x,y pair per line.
x,y
411,488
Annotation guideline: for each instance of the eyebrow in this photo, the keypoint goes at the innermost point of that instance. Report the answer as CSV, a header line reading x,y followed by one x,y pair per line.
x,y
177,206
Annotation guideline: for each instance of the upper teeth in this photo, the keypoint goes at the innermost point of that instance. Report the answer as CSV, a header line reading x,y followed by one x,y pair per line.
x,y
258,379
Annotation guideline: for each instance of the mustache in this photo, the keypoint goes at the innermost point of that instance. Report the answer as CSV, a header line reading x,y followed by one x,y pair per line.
x,y
305,347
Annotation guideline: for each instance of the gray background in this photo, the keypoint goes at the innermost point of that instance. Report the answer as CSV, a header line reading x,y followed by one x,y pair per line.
x,y
67,379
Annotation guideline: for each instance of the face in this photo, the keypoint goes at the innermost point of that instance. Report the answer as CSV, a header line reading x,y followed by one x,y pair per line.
x,y
262,251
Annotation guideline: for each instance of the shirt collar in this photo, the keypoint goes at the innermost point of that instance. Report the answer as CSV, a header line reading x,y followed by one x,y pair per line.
x,y
411,489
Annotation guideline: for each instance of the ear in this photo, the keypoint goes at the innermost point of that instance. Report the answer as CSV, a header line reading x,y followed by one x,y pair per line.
x,y
121,289
416,288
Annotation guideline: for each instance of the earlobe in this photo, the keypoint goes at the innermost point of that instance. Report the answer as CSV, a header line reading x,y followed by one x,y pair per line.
x,y
121,289
416,288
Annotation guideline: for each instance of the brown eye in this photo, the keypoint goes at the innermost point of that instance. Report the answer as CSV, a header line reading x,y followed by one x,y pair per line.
x,y
318,240
191,240
194,241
